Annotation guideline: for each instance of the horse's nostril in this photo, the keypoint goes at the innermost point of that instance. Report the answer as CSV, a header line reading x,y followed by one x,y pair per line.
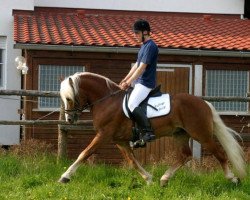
x,y
70,120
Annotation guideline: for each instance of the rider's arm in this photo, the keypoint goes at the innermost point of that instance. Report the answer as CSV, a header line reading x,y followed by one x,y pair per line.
x,y
138,71
131,72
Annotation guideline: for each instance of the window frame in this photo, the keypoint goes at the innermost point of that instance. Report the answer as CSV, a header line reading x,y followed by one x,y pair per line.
x,y
39,108
234,67
1,69
3,40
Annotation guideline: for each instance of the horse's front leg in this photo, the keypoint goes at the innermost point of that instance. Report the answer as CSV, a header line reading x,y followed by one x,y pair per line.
x,y
130,157
81,158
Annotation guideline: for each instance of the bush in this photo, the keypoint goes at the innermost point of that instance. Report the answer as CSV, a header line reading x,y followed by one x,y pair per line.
x,y
32,148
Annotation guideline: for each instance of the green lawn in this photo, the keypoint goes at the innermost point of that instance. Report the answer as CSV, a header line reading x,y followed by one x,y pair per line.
x,y
25,176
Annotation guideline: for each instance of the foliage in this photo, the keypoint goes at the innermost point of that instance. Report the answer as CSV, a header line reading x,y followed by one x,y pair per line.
x,y
30,176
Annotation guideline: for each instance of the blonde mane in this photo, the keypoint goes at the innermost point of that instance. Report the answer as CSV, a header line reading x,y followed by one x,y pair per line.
x,y
66,89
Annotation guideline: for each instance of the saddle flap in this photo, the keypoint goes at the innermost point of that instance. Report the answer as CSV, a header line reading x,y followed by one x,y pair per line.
x,y
158,106
155,106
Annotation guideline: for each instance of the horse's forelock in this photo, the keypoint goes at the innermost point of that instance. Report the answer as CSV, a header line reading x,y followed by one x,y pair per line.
x,y
67,90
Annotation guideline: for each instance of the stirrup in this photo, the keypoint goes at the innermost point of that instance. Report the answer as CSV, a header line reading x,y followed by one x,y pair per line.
x,y
148,137
137,144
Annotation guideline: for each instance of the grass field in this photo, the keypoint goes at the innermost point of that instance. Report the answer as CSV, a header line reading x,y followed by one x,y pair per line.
x,y
32,173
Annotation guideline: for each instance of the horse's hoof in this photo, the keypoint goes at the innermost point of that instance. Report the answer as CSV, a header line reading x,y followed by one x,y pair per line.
x,y
64,180
236,181
163,183
149,180
164,180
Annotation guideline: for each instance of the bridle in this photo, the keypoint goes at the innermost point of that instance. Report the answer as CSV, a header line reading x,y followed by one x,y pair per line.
x,y
78,109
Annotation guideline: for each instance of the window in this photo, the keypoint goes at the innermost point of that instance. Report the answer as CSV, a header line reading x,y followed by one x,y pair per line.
x,y
1,68
228,83
2,60
49,80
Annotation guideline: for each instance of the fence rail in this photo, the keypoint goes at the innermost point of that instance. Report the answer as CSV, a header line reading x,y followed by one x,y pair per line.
x,y
34,93
63,126
244,99
45,122
37,93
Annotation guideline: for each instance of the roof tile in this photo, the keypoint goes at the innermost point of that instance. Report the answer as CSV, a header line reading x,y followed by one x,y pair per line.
x,y
113,29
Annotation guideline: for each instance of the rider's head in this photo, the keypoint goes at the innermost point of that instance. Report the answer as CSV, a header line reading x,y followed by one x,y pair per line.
x,y
142,27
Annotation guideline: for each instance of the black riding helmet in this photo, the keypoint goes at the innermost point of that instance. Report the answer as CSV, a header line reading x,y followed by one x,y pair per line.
x,y
141,25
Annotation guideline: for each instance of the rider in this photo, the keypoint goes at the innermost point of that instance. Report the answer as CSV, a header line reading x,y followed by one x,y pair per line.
x,y
143,75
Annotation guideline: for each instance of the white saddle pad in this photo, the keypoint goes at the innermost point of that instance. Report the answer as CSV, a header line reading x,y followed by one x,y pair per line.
x,y
161,105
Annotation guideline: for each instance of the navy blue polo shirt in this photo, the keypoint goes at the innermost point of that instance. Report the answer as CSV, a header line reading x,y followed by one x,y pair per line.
x,y
148,54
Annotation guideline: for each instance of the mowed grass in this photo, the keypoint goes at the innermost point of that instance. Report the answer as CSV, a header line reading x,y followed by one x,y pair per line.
x,y
33,174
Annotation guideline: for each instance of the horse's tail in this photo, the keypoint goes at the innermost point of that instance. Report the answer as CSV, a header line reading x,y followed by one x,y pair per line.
x,y
226,137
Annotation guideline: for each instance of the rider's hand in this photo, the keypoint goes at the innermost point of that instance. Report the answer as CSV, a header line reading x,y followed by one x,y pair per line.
x,y
124,85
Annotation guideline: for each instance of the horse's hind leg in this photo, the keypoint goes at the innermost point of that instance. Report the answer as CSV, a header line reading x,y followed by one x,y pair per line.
x,y
184,154
220,155
129,156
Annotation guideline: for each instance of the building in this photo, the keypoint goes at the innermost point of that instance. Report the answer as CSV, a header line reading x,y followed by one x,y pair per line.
x,y
10,77
202,51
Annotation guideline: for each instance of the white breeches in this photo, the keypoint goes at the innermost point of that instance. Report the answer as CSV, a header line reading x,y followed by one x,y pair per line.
x,y
139,93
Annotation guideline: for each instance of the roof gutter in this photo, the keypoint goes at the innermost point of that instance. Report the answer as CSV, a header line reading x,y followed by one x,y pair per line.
x,y
163,51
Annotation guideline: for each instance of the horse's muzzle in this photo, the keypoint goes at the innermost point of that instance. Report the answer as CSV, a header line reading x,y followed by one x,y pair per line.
x,y
71,118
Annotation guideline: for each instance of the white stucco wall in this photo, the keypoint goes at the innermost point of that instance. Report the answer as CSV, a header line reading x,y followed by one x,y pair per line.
x,y
193,6
12,78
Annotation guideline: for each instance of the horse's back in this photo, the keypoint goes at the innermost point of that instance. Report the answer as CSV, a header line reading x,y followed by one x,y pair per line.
x,y
188,101
192,111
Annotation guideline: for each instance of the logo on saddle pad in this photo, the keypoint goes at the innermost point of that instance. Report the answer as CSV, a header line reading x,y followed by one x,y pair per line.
x,y
154,107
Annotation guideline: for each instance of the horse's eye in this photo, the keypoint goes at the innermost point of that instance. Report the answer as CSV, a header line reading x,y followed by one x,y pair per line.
x,y
68,99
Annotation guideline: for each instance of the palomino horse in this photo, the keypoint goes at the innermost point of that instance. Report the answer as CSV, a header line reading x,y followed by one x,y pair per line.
x,y
190,117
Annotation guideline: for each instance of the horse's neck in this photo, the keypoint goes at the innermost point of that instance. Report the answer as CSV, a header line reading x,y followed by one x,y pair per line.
x,y
98,87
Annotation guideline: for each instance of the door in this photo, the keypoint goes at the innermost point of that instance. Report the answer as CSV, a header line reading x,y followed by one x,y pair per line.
x,y
173,80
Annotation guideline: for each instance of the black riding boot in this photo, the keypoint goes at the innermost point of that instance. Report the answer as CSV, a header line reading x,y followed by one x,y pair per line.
x,y
143,122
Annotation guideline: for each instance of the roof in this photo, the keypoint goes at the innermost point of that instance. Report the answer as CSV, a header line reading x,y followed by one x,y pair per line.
x,y
100,28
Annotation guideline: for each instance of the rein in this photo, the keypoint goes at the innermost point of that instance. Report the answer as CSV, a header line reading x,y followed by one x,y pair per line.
x,y
98,101
85,107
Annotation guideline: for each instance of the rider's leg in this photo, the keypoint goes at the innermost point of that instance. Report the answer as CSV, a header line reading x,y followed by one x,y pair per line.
x,y
139,93
142,120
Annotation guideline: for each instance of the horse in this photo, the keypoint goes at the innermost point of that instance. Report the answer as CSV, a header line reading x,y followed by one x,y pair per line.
x,y
190,117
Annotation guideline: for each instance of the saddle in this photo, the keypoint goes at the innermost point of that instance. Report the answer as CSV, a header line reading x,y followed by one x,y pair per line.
x,y
156,104
156,92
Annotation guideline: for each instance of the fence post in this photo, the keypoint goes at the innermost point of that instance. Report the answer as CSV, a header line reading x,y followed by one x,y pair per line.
x,y
62,137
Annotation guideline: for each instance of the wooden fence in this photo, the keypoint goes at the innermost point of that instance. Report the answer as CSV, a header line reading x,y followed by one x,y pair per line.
x,y
63,126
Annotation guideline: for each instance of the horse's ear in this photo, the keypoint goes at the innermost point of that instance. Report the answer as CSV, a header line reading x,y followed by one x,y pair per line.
x,y
61,78
71,82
